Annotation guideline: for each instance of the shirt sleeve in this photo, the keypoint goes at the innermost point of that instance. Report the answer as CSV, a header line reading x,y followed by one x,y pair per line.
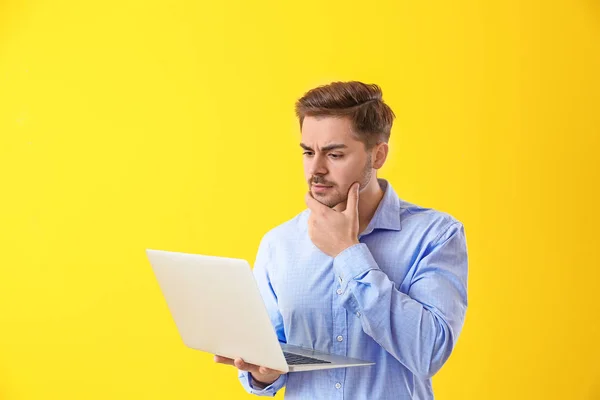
x,y
252,388
261,272
418,328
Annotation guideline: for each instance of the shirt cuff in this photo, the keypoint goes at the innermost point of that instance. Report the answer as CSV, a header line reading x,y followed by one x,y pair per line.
x,y
270,390
353,262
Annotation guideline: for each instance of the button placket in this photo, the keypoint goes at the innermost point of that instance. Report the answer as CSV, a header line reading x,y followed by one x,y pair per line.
x,y
339,336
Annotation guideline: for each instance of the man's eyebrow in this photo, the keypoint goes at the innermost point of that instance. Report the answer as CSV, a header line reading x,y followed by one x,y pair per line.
x,y
329,147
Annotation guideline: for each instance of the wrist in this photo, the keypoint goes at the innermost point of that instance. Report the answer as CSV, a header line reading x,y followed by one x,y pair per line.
x,y
260,384
346,245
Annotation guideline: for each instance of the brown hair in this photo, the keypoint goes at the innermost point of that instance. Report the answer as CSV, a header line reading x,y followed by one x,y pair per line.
x,y
371,118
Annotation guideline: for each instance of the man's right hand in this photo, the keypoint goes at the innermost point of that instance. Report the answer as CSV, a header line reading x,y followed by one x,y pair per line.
x,y
262,375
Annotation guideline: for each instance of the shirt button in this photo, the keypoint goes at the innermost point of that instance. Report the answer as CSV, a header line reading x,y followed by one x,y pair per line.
x,y
338,385
358,313
339,291
339,338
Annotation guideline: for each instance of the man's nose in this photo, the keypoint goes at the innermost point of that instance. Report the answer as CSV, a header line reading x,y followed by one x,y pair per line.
x,y
317,166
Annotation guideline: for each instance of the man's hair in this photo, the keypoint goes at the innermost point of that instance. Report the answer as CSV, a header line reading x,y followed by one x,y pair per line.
x,y
371,118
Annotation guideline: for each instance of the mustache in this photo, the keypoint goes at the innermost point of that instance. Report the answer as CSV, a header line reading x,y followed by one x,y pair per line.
x,y
319,180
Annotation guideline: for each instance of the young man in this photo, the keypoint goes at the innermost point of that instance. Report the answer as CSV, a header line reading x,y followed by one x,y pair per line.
x,y
361,272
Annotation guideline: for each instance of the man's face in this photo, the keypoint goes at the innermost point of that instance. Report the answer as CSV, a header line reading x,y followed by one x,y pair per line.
x,y
333,159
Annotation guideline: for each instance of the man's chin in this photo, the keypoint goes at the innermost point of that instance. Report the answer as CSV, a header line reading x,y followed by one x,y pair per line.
x,y
321,198
327,200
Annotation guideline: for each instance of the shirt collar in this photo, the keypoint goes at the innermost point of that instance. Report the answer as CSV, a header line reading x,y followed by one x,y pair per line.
x,y
387,215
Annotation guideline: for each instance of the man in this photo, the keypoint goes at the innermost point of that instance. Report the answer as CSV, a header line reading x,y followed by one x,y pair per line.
x,y
360,273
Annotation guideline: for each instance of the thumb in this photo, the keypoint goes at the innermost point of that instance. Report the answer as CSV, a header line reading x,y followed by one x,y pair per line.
x,y
352,204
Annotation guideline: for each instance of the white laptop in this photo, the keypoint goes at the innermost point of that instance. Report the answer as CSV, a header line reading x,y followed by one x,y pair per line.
x,y
217,308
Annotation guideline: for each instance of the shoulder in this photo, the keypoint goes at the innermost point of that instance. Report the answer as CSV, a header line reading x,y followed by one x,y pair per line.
x,y
287,230
428,222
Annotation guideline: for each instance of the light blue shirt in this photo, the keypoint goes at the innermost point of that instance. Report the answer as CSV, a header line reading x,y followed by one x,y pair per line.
x,y
398,298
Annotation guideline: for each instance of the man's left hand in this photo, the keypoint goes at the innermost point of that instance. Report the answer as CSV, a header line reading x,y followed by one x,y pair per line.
x,y
332,231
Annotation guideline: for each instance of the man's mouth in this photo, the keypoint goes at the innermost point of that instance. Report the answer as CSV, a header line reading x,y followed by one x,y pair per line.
x,y
320,188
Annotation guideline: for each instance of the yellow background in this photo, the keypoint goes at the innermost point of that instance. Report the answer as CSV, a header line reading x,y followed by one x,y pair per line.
x,y
134,124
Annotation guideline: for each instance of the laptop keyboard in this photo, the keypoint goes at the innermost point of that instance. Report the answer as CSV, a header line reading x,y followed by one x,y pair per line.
x,y
296,359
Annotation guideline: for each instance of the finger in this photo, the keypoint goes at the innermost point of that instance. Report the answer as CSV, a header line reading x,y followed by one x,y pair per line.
x,y
223,360
242,365
265,371
352,204
315,205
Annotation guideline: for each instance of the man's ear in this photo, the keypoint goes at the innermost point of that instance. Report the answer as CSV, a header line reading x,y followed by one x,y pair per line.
x,y
380,152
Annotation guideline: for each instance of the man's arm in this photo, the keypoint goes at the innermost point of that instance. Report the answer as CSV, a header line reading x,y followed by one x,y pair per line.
x,y
420,328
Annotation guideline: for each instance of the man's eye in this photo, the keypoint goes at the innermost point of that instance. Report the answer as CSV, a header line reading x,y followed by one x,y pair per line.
x,y
335,156
308,153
